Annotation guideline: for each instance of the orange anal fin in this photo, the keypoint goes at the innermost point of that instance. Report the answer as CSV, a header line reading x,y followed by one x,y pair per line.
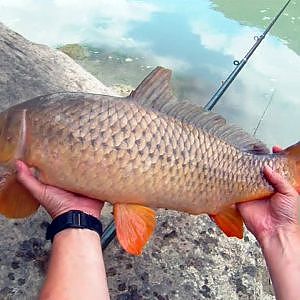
x,y
230,222
15,199
134,225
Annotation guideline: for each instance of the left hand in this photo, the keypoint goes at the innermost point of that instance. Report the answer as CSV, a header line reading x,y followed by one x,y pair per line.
x,y
56,201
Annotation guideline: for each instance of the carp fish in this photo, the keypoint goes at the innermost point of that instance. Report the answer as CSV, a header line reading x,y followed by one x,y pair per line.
x,y
147,150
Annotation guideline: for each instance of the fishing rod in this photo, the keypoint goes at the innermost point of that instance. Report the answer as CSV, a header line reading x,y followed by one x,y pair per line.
x,y
240,64
110,231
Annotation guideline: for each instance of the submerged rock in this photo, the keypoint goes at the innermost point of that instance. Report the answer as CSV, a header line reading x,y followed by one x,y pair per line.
x,y
75,51
122,89
187,258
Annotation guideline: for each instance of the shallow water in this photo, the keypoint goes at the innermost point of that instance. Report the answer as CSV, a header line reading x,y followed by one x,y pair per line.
x,y
197,39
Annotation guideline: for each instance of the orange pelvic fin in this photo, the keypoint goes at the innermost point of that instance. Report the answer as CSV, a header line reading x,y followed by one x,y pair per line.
x,y
134,225
230,222
293,154
15,200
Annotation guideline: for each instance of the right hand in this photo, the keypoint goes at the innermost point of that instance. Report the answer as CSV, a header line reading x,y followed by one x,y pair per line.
x,y
267,217
56,201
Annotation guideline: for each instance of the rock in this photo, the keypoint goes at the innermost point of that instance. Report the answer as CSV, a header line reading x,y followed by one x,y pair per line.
x,y
29,70
187,258
122,89
75,51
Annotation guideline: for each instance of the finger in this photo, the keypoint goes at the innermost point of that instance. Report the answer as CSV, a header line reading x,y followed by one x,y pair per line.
x,y
29,181
276,149
279,183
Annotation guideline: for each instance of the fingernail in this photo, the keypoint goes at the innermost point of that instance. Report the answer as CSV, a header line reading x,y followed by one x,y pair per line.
x,y
269,169
19,165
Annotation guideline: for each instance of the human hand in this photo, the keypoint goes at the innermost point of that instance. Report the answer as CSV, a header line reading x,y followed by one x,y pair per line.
x,y
56,201
265,218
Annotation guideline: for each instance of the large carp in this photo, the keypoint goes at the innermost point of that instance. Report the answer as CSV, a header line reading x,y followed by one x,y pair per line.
x,y
144,150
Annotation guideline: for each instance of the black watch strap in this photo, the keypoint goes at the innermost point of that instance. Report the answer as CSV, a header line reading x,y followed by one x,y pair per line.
x,y
73,219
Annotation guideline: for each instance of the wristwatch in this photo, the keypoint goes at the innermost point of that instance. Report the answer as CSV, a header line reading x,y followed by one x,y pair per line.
x,y
73,219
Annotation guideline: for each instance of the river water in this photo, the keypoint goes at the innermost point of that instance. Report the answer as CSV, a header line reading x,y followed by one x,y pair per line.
x,y
198,40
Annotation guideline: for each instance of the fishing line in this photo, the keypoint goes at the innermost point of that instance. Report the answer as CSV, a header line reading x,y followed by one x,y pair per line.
x,y
110,231
264,112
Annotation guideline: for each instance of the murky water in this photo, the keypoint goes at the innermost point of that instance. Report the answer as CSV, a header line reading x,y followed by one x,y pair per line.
x,y
197,39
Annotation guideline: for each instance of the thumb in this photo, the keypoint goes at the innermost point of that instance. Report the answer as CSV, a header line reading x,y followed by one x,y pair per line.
x,y
25,177
279,183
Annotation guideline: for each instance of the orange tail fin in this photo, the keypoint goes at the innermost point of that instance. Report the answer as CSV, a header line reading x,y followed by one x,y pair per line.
x,y
293,154
15,200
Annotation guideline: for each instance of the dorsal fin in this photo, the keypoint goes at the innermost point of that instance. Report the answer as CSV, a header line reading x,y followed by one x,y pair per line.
x,y
214,124
155,93
155,90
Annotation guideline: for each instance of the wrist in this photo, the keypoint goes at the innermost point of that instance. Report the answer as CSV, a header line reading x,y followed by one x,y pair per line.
x,y
85,209
283,244
75,233
282,236
281,251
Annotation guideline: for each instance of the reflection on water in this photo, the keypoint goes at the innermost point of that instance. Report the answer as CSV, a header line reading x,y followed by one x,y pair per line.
x,y
259,14
198,40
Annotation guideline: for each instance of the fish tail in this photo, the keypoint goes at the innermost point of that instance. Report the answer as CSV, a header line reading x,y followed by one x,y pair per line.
x,y
293,154
15,199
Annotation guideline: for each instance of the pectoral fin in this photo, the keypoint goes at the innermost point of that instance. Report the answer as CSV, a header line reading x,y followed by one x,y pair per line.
x,y
15,200
230,222
134,225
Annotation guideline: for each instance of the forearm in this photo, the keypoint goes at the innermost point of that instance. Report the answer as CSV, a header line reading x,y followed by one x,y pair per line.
x,y
282,254
76,268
